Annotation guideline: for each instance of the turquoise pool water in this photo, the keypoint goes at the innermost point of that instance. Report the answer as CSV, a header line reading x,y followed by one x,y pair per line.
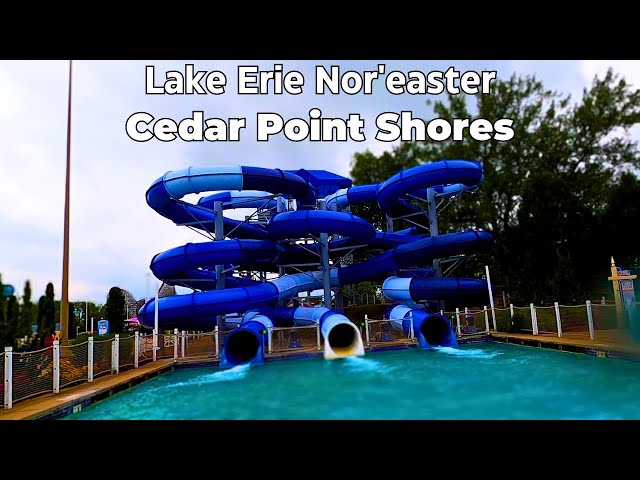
x,y
479,381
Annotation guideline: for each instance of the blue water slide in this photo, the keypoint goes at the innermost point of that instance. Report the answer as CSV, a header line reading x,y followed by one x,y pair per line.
x,y
195,310
251,199
432,330
391,195
246,344
342,337
446,177
253,187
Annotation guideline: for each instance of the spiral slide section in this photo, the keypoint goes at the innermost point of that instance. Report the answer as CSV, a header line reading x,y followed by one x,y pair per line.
x,y
447,178
193,265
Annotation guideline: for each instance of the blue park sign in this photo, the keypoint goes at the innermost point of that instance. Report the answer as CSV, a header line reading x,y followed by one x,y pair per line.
x,y
103,327
8,290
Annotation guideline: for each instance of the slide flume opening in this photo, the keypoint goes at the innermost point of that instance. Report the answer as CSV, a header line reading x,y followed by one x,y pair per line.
x,y
241,347
435,330
343,339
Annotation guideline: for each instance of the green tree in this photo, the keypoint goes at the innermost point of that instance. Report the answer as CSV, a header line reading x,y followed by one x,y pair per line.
x,y
46,314
546,191
72,321
11,322
26,312
115,310
3,323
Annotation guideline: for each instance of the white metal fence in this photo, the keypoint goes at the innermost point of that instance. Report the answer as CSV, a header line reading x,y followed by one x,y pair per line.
x,y
294,339
24,375
604,319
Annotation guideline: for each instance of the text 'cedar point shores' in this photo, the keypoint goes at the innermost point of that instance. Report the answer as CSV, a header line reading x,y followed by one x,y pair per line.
x,y
316,127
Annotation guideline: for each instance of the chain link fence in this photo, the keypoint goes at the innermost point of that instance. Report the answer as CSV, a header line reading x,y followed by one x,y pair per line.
x,y
127,352
382,332
546,318
166,344
573,318
32,373
145,349
200,345
102,353
471,321
292,339
74,364
503,319
1,375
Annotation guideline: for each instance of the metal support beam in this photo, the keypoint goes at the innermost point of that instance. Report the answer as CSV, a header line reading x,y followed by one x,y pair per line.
x,y
433,230
324,258
219,235
433,225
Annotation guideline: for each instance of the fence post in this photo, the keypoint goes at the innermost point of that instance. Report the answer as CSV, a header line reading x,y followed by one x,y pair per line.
x,y
175,343
558,322
90,360
491,302
412,333
183,343
511,309
8,377
486,318
458,322
116,354
155,344
136,348
270,340
592,334
534,320
215,334
366,328
56,366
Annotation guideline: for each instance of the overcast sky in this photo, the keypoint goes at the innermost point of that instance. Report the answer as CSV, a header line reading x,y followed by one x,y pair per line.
x,y
114,234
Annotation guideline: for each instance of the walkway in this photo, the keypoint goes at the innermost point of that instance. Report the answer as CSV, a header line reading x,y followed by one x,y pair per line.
x,y
83,394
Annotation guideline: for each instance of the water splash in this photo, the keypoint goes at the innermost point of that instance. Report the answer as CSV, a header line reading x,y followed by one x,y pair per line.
x,y
365,365
469,352
230,375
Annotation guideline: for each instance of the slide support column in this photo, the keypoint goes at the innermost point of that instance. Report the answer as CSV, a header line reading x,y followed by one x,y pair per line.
x,y
219,235
324,259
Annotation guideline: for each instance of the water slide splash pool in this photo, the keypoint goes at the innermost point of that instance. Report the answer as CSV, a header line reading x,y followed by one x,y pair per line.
x,y
305,204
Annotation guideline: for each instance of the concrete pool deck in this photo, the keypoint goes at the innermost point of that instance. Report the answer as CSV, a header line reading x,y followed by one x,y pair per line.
x,y
58,405
606,343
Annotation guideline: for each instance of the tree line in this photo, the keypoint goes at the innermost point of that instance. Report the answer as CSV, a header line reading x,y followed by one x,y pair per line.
x,y
25,325
560,198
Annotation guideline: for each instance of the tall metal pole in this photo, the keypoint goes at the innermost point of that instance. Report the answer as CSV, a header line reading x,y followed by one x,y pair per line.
x,y
64,304
493,309
219,235
324,259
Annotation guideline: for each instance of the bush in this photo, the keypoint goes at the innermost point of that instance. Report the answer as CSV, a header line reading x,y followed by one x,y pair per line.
x,y
517,323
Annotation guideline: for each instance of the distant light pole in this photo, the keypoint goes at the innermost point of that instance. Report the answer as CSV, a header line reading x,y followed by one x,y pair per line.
x,y
64,304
